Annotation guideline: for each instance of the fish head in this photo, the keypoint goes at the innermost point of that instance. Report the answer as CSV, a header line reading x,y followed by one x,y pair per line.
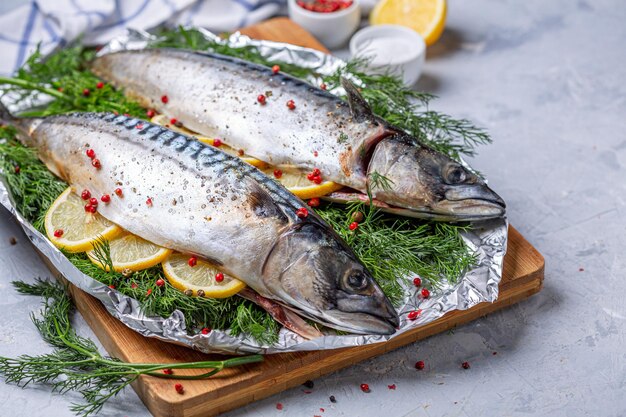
x,y
407,174
312,272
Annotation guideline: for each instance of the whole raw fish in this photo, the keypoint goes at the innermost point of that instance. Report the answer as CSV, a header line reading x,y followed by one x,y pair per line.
x,y
205,202
246,105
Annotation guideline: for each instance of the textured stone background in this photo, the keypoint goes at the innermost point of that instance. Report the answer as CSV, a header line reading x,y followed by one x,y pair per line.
x,y
548,80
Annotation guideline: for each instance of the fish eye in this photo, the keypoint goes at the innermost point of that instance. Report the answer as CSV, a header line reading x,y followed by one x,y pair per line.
x,y
356,280
455,174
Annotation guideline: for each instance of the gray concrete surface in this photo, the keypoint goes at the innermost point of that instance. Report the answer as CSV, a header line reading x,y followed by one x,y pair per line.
x,y
548,80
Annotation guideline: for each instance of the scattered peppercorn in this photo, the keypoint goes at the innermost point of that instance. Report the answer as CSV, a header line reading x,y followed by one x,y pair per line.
x,y
118,192
419,365
58,233
275,69
413,314
100,84
192,261
358,216
332,399
315,154
323,86
93,201
392,386
85,195
279,406
219,277
217,143
188,292
134,285
149,201
278,173
314,202
205,330
291,105
149,292
127,272
173,121
105,198
465,365
91,153
164,99
309,384
96,163
353,226
261,99
86,92
150,113
417,282
302,212
425,293
317,179
17,169
160,282
365,388
168,371
179,388
13,241
201,293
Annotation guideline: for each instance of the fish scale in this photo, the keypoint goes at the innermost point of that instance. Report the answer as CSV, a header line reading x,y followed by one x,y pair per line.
x,y
184,195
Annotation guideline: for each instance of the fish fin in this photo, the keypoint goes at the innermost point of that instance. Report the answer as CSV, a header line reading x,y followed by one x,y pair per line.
x,y
262,203
358,106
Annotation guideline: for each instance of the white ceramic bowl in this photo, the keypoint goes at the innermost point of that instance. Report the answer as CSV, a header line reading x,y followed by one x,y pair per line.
x,y
392,49
332,29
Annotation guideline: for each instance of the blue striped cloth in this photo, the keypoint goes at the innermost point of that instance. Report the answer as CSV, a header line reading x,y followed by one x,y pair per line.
x,y
54,23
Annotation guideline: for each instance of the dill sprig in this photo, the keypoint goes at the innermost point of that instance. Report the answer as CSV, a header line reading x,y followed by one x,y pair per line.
x,y
33,186
77,365
66,80
392,248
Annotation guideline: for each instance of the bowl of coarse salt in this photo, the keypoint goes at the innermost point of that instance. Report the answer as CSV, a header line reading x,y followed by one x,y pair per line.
x,y
390,49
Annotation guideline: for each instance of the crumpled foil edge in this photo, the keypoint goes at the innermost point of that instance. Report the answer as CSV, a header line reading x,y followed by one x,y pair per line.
x,y
488,239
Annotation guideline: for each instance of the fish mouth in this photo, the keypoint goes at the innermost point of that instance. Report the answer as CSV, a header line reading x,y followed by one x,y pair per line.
x,y
472,202
361,323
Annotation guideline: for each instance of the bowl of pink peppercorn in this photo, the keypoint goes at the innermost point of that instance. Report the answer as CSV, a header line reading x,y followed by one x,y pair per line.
x,y
332,22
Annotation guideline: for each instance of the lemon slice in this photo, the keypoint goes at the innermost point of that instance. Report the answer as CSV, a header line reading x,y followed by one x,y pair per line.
x,y
426,17
70,227
163,120
132,252
200,279
298,183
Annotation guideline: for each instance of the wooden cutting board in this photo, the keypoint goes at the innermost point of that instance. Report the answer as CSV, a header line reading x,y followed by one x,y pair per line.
x,y
232,388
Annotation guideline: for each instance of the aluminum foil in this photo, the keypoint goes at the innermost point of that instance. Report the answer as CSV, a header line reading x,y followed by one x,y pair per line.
x,y
488,239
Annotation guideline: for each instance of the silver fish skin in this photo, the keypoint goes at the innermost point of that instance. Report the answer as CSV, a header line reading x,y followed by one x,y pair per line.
x,y
208,203
216,96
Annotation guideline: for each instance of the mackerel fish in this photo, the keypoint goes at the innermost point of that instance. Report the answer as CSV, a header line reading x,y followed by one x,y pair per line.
x,y
208,203
217,96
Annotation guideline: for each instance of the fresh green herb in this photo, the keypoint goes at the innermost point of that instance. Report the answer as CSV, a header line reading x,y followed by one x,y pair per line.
x,y
33,186
77,365
392,247
379,181
65,78
343,138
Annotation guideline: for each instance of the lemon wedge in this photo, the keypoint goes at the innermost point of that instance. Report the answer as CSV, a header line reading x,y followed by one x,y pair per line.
x,y
298,183
132,252
203,279
70,227
426,17
163,120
